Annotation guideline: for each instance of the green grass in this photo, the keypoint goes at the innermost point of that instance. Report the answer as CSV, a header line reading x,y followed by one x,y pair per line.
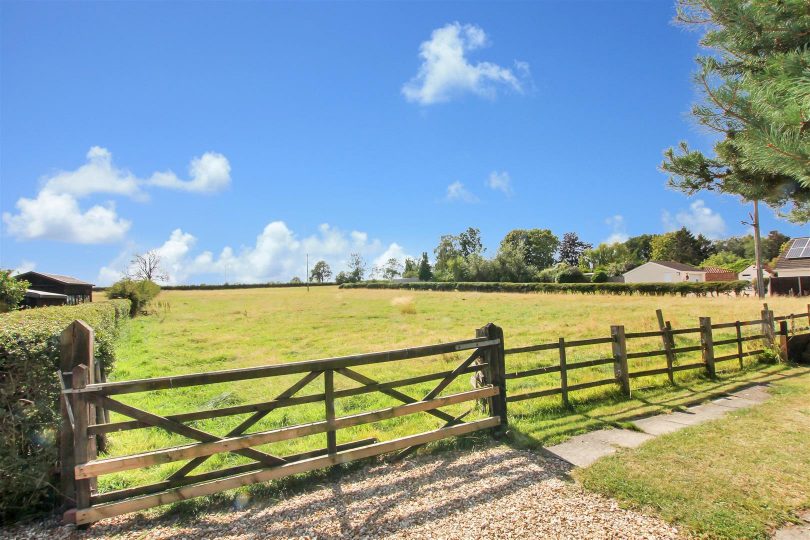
x,y
737,477
195,331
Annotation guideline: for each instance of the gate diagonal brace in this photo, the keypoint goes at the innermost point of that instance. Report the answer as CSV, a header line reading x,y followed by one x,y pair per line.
x,y
181,429
247,423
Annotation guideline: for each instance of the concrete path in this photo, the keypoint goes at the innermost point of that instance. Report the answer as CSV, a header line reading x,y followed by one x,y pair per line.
x,y
800,531
583,450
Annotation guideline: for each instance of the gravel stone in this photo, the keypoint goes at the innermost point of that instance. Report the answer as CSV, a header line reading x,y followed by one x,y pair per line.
x,y
489,492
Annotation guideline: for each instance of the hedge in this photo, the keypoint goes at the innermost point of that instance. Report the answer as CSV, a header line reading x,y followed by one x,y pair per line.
x,y
652,289
29,394
205,287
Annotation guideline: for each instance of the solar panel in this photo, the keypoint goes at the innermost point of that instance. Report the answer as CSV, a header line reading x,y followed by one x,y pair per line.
x,y
799,249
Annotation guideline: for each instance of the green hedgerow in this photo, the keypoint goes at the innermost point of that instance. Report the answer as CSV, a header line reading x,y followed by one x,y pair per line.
x,y
29,394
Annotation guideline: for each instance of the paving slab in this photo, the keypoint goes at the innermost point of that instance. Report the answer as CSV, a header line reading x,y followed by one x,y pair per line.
x,y
707,411
758,393
582,450
625,438
797,531
734,402
658,425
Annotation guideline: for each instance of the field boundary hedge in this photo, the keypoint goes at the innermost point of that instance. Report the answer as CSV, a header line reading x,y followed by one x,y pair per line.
x,y
29,397
225,286
650,289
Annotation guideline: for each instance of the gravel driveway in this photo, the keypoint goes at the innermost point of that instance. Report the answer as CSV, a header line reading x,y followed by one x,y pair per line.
x,y
491,492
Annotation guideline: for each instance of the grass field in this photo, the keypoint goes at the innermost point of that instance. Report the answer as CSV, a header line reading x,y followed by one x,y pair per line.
x,y
195,331
738,477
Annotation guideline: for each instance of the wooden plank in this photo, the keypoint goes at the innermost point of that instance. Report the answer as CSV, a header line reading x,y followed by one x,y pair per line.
x,y
691,348
645,354
537,394
82,452
241,374
590,363
725,357
249,422
783,341
532,348
729,341
563,375
89,515
234,444
649,372
405,398
531,372
125,493
753,337
444,383
591,341
280,403
329,390
681,331
649,334
620,369
753,353
739,343
496,358
685,367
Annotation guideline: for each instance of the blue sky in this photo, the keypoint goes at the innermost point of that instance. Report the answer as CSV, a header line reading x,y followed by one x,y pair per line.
x,y
236,137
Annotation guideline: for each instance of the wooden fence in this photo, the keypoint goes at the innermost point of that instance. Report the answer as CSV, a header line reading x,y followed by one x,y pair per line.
x,y
87,401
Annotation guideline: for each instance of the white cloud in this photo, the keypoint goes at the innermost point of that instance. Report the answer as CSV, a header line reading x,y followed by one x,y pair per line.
x,y
209,173
394,251
700,219
446,71
55,213
57,216
457,192
500,181
277,255
98,175
619,231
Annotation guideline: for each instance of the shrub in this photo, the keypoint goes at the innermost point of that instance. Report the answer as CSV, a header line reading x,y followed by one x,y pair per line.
x,y
139,293
11,291
547,275
571,274
29,393
599,277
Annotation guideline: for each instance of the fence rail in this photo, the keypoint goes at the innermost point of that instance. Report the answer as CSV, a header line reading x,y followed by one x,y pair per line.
x,y
87,401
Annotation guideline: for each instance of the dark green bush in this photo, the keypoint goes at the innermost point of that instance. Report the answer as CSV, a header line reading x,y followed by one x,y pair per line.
x,y
571,274
599,277
652,289
29,392
139,293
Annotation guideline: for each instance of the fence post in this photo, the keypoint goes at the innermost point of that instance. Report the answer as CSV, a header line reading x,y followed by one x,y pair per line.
x,y
329,400
76,343
620,358
707,345
767,326
667,339
564,374
739,342
783,340
497,369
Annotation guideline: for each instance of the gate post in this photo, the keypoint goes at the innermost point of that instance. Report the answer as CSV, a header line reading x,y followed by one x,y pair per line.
x,y
496,370
783,340
76,344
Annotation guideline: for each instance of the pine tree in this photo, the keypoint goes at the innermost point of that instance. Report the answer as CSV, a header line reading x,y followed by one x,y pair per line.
x,y
425,273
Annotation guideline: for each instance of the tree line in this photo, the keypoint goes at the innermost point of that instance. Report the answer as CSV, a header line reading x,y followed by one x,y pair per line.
x,y
539,255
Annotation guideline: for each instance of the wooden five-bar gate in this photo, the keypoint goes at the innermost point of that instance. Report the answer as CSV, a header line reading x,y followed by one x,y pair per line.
x,y
84,399
87,402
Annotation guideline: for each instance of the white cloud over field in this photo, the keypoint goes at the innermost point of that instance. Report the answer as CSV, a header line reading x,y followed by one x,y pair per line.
x,y
700,219
277,254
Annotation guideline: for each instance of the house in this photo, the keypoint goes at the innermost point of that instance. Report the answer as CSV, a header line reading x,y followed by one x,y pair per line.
x,y
34,298
714,273
664,272
793,269
74,290
750,273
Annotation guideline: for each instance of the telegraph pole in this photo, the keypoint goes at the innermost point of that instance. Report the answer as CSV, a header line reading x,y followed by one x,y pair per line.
x,y
757,250
307,272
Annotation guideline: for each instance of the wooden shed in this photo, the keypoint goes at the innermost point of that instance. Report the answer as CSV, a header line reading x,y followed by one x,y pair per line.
x,y
34,298
75,290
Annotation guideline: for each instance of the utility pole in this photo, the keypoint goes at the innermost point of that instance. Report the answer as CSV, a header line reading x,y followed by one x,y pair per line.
x,y
307,272
757,250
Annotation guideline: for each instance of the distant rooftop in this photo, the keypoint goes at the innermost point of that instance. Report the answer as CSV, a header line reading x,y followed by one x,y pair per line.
x,y
56,277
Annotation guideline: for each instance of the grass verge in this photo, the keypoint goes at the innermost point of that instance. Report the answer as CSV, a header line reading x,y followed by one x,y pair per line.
x,y
737,477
